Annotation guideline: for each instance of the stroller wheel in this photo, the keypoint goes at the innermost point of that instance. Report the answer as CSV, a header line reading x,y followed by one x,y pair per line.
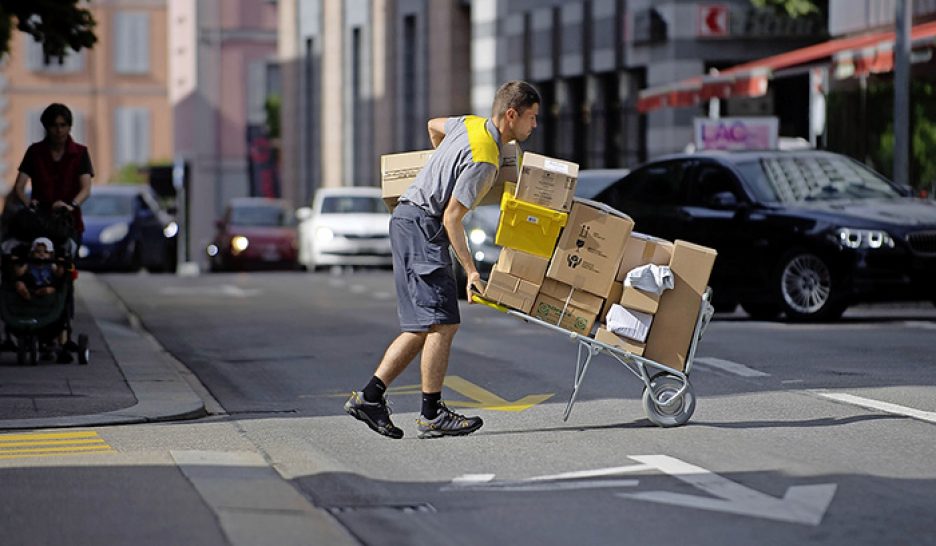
x,y
84,354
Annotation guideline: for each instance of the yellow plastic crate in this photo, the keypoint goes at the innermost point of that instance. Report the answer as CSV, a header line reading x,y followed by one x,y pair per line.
x,y
528,227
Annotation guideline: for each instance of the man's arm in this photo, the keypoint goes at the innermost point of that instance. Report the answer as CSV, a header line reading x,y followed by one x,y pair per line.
x,y
436,131
452,221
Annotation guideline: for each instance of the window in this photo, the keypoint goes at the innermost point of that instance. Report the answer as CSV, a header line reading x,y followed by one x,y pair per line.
x,y
131,42
132,136
658,184
352,205
35,59
789,178
107,205
710,180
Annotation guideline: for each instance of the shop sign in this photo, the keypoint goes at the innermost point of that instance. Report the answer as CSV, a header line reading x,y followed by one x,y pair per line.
x,y
750,133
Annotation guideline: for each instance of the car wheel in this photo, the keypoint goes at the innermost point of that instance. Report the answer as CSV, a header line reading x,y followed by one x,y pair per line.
x,y
807,288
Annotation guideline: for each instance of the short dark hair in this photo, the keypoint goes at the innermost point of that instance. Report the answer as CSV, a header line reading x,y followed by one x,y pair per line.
x,y
53,111
515,94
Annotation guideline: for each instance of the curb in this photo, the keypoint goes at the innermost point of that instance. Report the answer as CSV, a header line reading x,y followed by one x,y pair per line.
x,y
162,394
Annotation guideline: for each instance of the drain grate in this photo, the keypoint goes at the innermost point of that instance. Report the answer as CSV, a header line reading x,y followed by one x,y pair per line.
x,y
419,508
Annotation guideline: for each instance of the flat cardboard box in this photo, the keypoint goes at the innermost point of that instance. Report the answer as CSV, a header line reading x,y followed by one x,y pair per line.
x,y
563,305
591,247
642,249
397,173
522,264
511,291
639,300
675,319
547,182
614,340
508,173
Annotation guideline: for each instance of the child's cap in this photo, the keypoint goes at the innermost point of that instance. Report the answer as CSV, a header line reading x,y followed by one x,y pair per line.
x,y
43,241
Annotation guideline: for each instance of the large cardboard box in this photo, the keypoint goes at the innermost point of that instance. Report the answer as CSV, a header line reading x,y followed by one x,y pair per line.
x,y
675,319
511,291
523,265
547,182
591,247
507,174
563,305
398,171
642,249
614,340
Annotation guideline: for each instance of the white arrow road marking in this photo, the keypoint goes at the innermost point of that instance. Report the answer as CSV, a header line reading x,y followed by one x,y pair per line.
x,y
730,367
524,486
552,482
878,405
805,504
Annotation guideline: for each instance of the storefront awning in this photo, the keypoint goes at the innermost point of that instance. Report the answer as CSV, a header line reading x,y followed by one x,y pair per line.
x,y
849,57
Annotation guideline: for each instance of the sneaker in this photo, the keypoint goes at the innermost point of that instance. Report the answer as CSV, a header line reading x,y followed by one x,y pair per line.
x,y
447,423
376,415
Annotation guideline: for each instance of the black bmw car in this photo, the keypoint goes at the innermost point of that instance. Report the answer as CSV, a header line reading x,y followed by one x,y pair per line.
x,y
803,233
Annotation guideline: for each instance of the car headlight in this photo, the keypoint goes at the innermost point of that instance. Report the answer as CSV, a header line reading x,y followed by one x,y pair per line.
x,y
477,236
114,233
171,230
324,235
863,238
239,243
212,250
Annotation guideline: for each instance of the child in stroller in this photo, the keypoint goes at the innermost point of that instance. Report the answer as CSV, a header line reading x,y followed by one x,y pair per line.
x,y
37,289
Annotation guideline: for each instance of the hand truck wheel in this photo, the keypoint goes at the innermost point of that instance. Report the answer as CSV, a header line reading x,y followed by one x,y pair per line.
x,y
664,387
84,354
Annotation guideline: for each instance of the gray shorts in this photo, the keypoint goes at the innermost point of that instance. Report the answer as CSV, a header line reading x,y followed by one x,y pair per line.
x,y
422,270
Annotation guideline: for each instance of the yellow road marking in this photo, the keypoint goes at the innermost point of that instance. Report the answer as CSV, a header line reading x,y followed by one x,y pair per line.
x,y
89,452
51,443
483,398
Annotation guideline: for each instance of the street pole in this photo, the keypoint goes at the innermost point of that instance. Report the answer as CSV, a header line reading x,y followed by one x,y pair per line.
x,y
902,93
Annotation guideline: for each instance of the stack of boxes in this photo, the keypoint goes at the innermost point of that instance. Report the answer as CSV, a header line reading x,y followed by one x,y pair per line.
x,y
564,260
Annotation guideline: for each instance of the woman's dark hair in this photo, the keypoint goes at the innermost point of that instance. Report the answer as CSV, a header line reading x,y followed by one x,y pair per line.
x,y
53,111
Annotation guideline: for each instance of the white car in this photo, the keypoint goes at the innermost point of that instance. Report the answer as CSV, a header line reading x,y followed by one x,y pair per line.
x,y
345,226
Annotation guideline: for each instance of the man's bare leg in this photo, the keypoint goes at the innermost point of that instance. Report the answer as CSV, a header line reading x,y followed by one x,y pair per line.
x,y
435,357
399,354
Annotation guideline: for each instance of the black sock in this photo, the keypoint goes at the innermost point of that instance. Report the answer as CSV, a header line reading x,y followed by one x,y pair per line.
x,y
430,404
374,390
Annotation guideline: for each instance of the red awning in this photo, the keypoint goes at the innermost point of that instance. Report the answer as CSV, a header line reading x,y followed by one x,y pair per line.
x,y
852,56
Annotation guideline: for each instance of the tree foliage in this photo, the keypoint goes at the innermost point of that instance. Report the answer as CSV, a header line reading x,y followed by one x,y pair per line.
x,y
59,25
794,8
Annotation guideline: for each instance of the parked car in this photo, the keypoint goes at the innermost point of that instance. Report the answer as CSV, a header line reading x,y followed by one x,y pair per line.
x,y
481,224
804,233
254,233
346,226
126,229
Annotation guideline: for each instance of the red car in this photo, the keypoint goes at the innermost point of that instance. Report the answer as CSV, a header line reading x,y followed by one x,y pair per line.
x,y
255,233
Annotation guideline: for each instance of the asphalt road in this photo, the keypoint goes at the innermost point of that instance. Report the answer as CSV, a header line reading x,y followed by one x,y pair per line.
x,y
808,434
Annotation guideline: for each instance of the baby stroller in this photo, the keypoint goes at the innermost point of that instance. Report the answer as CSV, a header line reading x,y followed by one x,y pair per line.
x,y
34,325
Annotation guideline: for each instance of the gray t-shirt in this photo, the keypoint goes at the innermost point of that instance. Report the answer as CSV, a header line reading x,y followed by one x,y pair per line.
x,y
454,171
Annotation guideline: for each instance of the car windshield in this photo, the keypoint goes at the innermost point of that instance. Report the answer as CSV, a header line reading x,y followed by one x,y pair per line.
x,y
813,178
591,183
259,216
105,205
352,204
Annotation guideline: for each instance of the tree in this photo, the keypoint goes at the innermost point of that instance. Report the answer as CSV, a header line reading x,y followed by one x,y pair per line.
x,y
59,25
794,8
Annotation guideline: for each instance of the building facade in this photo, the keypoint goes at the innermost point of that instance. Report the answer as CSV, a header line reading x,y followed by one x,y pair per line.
x,y
117,91
221,56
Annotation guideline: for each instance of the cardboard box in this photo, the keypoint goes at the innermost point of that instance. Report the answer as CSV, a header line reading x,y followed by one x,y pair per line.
x,y
639,300
523,265
675,319
629,323
547,182
642,249
511,291
398,171
507,174
591,247
617,288
614,340
563,305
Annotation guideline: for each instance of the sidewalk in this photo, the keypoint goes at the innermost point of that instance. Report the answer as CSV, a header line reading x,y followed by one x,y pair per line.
x,y
130,378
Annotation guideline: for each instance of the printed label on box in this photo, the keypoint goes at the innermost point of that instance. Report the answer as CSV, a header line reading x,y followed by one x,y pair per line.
x,y
556,166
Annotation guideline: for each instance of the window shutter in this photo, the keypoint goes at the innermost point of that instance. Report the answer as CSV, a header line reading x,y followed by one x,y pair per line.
x,y
131,42
132,129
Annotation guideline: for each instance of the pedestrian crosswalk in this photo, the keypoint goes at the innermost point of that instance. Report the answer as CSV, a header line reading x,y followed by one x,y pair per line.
x,y
45,444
